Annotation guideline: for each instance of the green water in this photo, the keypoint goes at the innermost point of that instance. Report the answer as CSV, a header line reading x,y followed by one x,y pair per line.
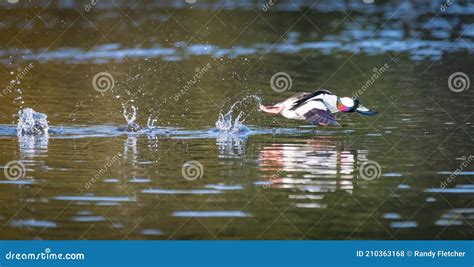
x,y
297,182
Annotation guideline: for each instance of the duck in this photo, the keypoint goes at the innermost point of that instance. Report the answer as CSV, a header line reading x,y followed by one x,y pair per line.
x,y
317,108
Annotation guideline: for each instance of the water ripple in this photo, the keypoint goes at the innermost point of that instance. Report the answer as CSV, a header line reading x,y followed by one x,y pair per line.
x,y
210,214
94,198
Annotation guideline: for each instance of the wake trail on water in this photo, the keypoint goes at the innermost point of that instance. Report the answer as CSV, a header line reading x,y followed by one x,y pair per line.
x,y
228,123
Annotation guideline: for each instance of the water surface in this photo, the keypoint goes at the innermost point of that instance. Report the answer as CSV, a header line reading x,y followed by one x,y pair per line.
x,y
92,178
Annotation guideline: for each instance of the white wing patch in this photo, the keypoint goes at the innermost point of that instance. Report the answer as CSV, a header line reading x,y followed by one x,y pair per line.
x,y
310,105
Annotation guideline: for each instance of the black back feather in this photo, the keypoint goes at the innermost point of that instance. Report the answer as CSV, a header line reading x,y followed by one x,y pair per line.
x,y
302,100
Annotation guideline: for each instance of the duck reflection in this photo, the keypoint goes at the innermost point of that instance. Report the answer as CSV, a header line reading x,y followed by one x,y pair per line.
x,y
317,166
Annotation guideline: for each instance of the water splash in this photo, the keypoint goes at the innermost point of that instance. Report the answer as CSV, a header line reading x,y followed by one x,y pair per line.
x,y
226,123
132,126
31,122
151,122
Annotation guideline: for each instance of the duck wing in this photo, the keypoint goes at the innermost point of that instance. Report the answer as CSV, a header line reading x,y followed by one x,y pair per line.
x,y
316,112
308,96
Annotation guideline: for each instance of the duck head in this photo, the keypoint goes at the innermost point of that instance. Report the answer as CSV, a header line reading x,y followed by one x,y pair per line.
x,y
351,104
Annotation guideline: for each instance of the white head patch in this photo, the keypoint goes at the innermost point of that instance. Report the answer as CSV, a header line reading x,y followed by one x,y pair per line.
x,y
347,101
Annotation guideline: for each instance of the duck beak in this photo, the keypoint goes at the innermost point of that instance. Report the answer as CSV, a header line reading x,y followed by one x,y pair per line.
x,y
365,111
270,109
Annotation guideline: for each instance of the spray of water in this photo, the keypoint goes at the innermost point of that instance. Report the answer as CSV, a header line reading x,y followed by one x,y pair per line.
x,y
226,123
31,122
151,122
131,117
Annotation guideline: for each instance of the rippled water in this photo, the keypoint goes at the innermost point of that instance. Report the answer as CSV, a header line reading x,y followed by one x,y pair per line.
x,y
172,146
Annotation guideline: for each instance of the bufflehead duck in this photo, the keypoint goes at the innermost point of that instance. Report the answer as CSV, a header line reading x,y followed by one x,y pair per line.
x,y
317,108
